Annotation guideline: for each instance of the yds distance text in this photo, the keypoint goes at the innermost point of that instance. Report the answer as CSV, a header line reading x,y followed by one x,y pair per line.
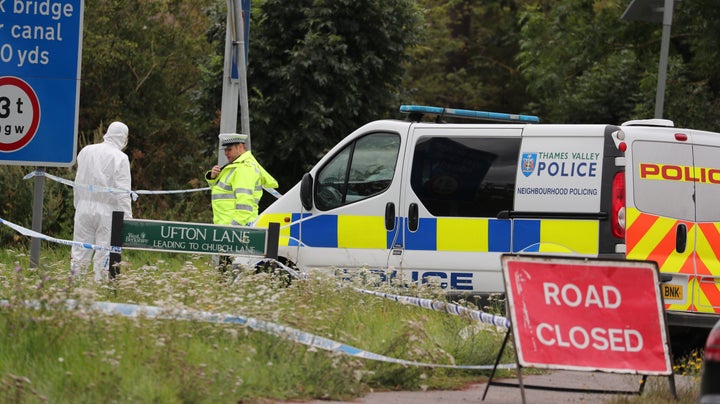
x,y
32,25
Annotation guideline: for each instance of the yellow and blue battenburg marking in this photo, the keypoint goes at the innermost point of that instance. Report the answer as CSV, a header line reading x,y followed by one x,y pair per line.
x,y
460,234
440,234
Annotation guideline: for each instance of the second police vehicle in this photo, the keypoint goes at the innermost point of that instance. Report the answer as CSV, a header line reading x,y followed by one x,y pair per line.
x,y
441,202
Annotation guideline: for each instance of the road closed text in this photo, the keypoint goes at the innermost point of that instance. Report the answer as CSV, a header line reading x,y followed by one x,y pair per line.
x,y
602,297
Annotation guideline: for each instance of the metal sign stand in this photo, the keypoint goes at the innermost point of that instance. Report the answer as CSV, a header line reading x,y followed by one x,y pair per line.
x,y
628,297
37,216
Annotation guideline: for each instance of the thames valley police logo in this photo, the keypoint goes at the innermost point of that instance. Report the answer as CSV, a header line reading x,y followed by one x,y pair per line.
x,y
528,163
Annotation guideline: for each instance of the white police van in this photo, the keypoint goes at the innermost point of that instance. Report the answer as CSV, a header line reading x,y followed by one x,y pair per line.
x,y
441,202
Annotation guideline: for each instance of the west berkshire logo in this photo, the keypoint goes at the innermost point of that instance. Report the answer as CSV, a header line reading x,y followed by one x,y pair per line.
x,y
528,163
134,238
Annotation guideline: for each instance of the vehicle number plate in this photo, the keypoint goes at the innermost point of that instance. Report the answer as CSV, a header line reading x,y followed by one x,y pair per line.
x,y
672,291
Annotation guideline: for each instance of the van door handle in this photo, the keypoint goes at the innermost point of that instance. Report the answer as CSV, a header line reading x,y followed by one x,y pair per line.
x,y
413,217
389,216
681,238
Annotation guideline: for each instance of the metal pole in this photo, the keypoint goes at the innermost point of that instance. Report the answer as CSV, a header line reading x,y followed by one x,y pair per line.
x,y
242,71
38,197
664,50
242,67
234,77
229,106
116,240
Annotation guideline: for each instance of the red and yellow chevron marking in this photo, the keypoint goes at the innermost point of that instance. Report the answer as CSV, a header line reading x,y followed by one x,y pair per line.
x,y
707,251
652,238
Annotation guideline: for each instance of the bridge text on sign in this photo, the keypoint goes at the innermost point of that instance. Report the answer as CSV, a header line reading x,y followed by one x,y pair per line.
x,y
55,10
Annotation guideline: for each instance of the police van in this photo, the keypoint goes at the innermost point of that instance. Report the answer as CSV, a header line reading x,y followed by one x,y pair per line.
x,y
441,202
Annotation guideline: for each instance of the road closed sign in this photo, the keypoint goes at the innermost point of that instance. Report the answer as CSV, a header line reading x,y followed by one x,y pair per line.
x,y
592,315
40,51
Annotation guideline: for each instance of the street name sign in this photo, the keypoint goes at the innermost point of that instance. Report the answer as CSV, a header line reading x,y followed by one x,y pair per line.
x,y
193,237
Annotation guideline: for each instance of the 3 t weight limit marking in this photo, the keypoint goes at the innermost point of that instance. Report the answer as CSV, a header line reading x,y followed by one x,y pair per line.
x,y
19,113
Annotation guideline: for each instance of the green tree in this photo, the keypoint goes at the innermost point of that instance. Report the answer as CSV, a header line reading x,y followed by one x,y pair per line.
x,y
141,65
317,70
584,64
581,62
467,56
693,90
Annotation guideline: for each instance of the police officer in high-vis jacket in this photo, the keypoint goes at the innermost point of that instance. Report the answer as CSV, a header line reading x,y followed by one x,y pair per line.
x,y
237,187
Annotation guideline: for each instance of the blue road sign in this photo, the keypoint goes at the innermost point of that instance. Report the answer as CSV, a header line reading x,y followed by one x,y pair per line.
x,y
40,51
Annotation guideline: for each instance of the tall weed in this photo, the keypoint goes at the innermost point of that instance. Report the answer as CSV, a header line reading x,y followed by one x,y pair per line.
x,y
82,355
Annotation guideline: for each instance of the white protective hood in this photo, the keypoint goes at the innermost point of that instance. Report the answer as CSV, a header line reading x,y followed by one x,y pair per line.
x,y
105,165
117,134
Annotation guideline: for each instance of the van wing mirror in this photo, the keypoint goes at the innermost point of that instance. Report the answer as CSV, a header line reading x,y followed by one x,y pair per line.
x,y
306,188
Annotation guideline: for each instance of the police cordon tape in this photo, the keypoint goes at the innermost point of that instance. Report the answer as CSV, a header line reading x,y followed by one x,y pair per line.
x,y
133,194
30,233
272,328
450,308
91,188
289,333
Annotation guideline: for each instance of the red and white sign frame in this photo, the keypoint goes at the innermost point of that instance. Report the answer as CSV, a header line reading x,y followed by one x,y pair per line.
x,y
16,93
587,315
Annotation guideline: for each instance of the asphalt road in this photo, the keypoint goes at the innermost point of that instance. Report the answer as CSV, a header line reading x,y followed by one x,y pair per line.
x,y
502,394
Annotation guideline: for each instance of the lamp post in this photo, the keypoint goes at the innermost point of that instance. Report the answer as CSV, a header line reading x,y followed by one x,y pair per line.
x,y
655,11
234,87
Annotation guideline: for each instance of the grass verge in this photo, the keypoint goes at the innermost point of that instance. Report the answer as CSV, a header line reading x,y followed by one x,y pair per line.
x,y
58,355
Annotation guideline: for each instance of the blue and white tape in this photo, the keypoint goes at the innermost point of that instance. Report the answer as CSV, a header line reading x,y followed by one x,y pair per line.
x,y
91,188
288,333
451,308
34,234
271,328
440,306
133,194
273,192
446,307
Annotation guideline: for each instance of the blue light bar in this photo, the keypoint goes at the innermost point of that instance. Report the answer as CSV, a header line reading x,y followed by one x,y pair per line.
x,y
467,113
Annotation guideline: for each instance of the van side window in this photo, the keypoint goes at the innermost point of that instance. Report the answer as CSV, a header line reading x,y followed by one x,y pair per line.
x,y
650,186
465,177
362,169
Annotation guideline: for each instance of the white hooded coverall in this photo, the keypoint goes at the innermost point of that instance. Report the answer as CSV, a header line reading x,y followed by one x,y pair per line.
x,y
102,165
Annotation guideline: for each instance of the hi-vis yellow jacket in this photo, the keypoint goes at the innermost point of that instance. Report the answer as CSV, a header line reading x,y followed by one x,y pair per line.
x,y
237,190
